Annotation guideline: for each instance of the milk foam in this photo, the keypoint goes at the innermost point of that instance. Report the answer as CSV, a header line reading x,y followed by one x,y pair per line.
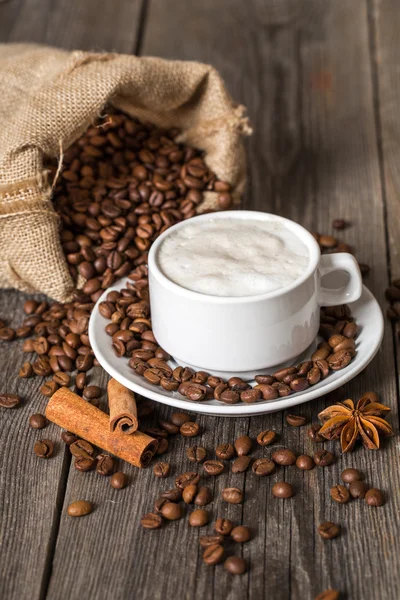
x,y
233,257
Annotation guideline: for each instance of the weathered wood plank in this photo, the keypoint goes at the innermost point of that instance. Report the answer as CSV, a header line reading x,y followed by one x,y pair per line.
x,y
304,71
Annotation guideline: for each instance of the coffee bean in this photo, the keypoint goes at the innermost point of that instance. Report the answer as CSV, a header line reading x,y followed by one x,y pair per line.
x,y
199,517
48,388
313,433
282,489
229,396
30,306
232,495
189,493
169,427
339,494
241,464
263,467
105,464
185,479
213,554
203,496
81,448
68,437
223,526
151,521
265,438
26,370
43,448
213,467
172,511
243,445
159,503
80,381
162,446
84,463
235,565
327,241
91,392
328,595
284,457
38,421
79,508
9,400
268,379
267,391
7,334
225,451
339,224
209,540
374,497
196,454
62,379
179,418
358,489
173,495
323,458
251,395
241,534
350,475
189,429
296,420
328,530
305,462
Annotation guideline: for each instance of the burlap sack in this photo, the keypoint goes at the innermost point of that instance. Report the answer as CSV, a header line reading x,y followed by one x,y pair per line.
x,y
48,99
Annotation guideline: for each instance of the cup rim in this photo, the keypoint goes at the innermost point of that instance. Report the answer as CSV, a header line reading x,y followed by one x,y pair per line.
x,y
305,236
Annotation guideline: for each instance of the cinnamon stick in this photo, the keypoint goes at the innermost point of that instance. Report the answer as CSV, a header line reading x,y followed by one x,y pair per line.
x,y
122,405
69,411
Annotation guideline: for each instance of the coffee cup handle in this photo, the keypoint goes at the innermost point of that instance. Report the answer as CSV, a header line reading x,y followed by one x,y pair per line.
x,y
341,261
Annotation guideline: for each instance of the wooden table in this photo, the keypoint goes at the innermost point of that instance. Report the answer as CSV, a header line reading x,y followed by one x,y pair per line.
x,y
321,83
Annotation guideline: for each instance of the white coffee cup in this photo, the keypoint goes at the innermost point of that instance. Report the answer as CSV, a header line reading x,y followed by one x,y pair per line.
x,y
245,335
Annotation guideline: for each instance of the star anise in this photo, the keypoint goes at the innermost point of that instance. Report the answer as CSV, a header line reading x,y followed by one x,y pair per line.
x,y
348,422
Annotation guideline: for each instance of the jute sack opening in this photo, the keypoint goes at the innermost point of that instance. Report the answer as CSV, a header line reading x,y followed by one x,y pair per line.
x,y
49,97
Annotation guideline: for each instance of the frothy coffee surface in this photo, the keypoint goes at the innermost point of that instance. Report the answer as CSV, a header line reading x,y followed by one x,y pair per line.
x,y
233,257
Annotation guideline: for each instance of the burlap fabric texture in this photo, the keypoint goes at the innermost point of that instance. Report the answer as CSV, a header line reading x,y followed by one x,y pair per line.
x,y
48,99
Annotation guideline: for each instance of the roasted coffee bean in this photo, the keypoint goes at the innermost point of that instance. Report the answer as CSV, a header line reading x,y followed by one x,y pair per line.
x,y
268,392
7,334
284,457
38,421
49,388
213,554
232,495
235,565
161,469
30,306
340,494
313,433
81,448
159,503
229,396
203,496
241,464
180,418
188,478
68,437
339,223
189,493
266,438
173,495
172,511
84,463
62,379
23,332
182,374
9,400
296,420
268,379
79,508
305,462
209,540
263,467
328,530
328,595
323,458
80,381
223,526
92,392
282,489
26,370
169,384
44,448
151,521
169,427
374,497
241,534
358,489
189,429
243,445
225,451
350,330
118,480
105,464
213,467
199,517
251,395
196,454
327,241
350,475
162,446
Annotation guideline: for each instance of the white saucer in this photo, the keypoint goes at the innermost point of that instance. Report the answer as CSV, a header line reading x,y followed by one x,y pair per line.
x,y
366,312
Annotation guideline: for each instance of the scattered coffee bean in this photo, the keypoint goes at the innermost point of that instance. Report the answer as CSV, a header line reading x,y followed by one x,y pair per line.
x,y
79,508
313,433
159,503
9,400
169,427
26,370
358,489
323,458
196,454
62,379
118,480
151,521
296,420
84,463
251,395
81,448
305,462
180,418
374,497
241,534
68,437
284,457
340,494
7,334
328,530
282,489
91,392
80,381
43,448
225,451
189,429
266,438
199,517
213,467
241,464
172,511
209,540
243,445
48,388
350,475
232,495
38,421
161,469
235,565
203,496
188,478
173,495
162,446
105,464
263,467
189,493
213,554
339,223
223,526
